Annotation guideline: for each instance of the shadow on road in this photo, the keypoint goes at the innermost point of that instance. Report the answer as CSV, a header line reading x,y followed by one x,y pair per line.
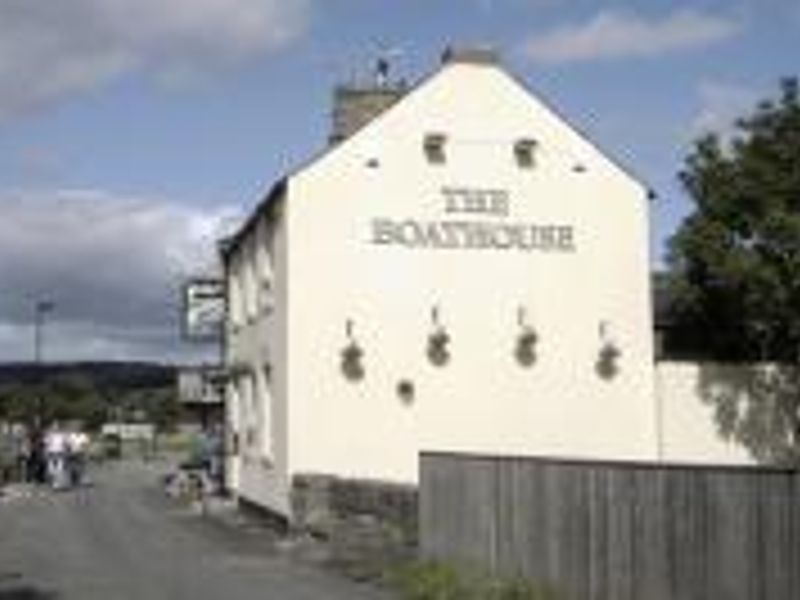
x,y
21,591
26,592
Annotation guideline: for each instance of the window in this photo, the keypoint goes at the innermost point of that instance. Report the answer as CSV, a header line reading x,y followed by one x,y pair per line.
x,y
250,410
434,147
264,268
266,413
235,301
233,407
249,280
525,153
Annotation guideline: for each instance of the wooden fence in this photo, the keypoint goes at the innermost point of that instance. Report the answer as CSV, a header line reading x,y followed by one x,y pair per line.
x,y
617,531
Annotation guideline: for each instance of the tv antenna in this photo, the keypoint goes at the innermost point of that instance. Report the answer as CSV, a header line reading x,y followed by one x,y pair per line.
x,y
382,69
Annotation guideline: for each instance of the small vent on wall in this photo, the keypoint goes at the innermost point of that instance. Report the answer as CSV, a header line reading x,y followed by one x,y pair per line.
x,y
406,392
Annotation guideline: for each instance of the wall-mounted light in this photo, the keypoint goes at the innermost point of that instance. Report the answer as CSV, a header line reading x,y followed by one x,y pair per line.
x,y
352,356
607,365
525,153
406,392
434,146
525,347
438,341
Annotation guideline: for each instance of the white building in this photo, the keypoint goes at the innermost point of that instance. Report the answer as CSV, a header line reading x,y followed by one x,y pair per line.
x,y
465,272
201,393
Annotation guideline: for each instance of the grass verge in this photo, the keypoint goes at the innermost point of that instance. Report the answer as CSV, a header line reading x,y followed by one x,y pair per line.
x,y
438,581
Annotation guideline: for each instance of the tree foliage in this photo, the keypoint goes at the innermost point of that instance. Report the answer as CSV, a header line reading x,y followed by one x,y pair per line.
x,y
735,261
65,396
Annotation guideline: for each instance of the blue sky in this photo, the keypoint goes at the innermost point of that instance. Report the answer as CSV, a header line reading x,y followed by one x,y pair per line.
x,y
158,121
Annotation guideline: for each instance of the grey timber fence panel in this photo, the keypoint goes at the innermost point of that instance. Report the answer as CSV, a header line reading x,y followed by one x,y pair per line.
x,y
617,531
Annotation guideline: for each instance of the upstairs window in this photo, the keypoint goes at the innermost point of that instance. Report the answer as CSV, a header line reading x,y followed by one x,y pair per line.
x,y
434,146
235,295
264,268
525,153
249,284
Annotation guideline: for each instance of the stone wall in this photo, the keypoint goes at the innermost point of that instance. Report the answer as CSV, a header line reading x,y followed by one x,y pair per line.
x,y
366,527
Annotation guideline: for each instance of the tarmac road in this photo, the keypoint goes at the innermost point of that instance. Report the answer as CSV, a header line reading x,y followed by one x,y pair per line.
x,y
121,539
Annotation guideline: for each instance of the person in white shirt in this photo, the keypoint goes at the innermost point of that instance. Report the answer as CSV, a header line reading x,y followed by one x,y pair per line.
x,y
55,447
78,443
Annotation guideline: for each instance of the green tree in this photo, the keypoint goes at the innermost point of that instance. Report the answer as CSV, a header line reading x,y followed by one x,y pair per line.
x,y
16,404
163,409
70,397
75,398
735,276
735,261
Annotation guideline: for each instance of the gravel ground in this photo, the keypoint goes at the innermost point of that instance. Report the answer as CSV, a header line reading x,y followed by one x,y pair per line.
x,y
121,539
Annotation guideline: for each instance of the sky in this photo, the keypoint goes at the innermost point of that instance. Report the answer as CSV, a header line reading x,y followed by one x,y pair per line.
x,y
134,134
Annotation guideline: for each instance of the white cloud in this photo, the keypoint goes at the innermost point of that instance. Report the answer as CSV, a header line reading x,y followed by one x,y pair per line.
x,y
49,50
113,266
611,35
721,104
489,6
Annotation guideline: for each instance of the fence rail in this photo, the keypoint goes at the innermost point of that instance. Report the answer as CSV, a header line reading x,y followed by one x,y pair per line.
x,y
617,531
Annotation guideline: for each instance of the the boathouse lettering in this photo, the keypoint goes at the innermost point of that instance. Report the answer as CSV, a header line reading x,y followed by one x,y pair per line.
x,y
458,232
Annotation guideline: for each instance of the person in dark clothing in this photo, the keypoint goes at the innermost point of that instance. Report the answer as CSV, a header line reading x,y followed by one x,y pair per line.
x,y
37,463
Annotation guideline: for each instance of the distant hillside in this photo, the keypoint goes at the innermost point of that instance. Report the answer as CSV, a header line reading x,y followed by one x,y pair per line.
x,y
104,375
90,392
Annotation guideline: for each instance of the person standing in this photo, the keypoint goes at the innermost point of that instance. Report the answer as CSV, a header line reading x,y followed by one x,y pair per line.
x,y
216,457
37,461
77,446
22,445
7,458
55,444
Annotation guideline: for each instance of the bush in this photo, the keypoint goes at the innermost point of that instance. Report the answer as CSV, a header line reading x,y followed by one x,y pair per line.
x,y
429,581
438,581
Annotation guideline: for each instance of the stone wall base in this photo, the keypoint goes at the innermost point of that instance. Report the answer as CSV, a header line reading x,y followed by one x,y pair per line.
x,y
366,526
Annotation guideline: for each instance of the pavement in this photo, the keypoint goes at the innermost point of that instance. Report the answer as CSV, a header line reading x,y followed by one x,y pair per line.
x,y
122,539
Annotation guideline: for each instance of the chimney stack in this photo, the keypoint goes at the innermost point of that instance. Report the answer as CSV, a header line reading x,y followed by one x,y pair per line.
x,y
475,55
355,105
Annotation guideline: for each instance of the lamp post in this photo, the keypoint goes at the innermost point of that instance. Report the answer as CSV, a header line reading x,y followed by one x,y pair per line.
x,y
41,308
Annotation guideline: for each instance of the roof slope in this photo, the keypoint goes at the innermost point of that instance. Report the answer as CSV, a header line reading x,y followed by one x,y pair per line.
x,y
453,58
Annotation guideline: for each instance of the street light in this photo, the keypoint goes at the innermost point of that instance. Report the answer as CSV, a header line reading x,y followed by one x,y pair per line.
x,y
41,308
